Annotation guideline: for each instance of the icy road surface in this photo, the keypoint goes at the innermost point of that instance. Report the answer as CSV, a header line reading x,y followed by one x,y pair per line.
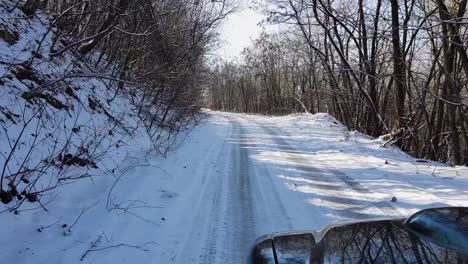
x,y
273,175
234,178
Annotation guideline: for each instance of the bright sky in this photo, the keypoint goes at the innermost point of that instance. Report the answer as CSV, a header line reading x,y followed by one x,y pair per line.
x,y
238,31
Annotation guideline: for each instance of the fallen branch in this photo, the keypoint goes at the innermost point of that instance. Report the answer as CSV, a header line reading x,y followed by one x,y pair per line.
x,y
394,136
93,249
81,214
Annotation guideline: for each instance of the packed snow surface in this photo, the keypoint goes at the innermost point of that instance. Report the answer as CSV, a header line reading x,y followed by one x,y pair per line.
x,y
235,178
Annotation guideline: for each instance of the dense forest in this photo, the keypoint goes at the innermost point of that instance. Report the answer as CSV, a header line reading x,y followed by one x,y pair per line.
x,y
397,68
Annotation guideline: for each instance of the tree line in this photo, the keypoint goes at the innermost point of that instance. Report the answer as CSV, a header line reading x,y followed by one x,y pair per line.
x,y
397,67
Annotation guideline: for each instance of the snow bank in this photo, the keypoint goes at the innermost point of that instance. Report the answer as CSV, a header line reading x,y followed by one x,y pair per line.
x,y
322,119
68,144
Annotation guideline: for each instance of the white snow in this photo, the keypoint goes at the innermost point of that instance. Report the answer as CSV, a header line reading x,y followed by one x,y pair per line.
x,y
387,171
180,209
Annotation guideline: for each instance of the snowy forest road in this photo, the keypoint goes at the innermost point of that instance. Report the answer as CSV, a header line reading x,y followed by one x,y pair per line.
x,y
235,178
263,182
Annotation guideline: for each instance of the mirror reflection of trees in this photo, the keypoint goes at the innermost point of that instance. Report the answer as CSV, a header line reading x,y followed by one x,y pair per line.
x,y
438,235
381,242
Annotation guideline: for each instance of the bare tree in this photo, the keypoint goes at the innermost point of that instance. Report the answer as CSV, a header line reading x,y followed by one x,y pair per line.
x,y
395,67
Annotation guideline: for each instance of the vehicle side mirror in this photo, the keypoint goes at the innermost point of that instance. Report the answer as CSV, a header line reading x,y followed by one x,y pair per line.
x,y
284,248
438,235
446,227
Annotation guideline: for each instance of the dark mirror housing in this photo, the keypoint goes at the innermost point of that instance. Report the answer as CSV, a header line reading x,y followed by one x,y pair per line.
x,y
294,248
284,248
263,252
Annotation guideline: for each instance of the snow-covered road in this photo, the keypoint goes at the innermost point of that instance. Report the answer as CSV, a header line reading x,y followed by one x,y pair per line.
x,y
235,178
270,178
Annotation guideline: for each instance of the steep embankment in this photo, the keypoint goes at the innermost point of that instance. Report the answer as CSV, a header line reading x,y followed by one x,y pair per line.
x,y
58,123
67,135
79,180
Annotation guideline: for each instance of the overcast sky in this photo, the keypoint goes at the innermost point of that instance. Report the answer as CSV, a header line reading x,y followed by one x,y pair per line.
x,y
238,30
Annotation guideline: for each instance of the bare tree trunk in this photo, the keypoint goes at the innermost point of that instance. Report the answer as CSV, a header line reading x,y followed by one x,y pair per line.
x,y
399,72
450,39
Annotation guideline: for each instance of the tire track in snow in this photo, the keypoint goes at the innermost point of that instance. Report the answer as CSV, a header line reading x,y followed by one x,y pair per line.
x,y
202,244
224,231
272,207
241,232
253,200
268,207
248,197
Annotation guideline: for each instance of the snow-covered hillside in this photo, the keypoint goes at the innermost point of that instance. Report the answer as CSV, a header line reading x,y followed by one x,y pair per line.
x,y
66,139
57,126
